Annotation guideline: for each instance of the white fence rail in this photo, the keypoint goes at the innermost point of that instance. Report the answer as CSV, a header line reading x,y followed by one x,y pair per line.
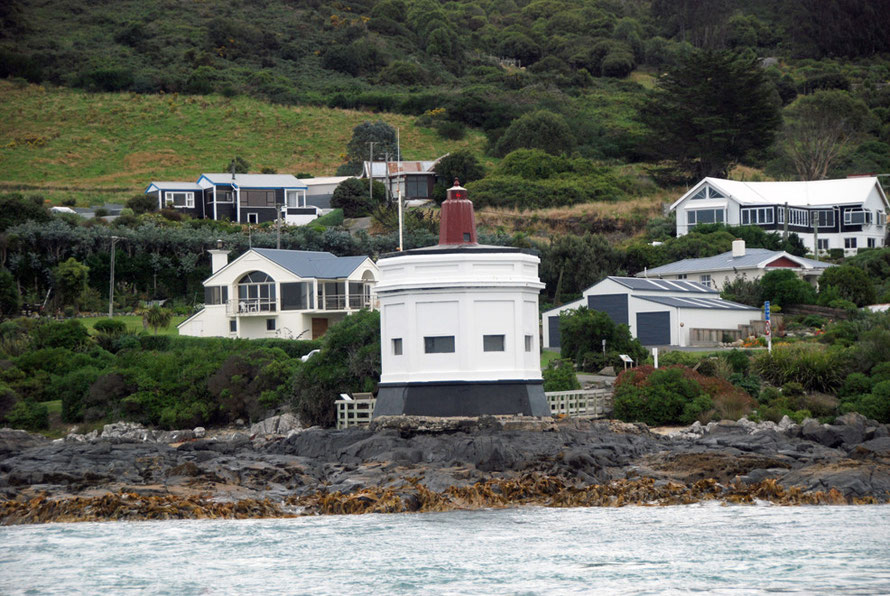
x,y
590,403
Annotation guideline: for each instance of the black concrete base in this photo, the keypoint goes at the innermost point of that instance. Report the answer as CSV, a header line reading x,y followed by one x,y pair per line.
x,y
474,398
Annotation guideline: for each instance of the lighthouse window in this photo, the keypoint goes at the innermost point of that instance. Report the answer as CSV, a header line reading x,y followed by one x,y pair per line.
x,y
440,344
528,343
397,346
493,343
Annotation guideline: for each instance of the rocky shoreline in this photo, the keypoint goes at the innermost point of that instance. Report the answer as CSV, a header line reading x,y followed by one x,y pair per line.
x,y
404,464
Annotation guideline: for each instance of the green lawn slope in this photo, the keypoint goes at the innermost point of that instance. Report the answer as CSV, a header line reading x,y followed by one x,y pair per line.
x,y
98,147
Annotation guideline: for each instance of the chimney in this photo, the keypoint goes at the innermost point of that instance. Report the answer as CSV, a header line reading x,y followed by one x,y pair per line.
x,y
219,258
738,248
457,223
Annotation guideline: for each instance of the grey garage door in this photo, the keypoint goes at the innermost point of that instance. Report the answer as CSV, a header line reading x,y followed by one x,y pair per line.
x,y
614,305
654,328
553,327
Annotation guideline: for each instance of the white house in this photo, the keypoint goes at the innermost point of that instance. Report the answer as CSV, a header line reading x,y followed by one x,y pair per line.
x,y
416,179
294,294
459,325
659,312
750,263
848,214
320,190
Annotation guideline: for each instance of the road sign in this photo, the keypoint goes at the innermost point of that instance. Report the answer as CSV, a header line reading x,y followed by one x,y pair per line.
x,y
767,331
766,310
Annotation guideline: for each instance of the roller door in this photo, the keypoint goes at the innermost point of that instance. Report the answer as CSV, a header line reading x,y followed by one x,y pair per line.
x,y
614,305
654,328
553,327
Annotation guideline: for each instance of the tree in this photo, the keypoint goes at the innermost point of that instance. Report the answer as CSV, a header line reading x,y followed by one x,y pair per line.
x,y
849,282
820,129
143,203
582,332
241,165
358,150
572,263
15,208
711,111
157,317
537,130
782,287
70,280
353,196
10,300
460,165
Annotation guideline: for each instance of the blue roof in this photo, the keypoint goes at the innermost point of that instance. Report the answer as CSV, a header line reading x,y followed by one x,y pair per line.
x,y
312,264
704,303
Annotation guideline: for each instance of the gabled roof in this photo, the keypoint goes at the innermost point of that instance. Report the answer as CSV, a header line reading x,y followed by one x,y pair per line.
x,y
312,264
255,180
703,303
813,193
397,168
172,185
663,285
754,258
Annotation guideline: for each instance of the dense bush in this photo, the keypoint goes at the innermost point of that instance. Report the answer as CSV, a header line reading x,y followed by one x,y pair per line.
x,y
559,375
782,287
349,361
582,332
353,196
814,366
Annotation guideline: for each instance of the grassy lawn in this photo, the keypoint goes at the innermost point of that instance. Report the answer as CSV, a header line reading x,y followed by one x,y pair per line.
x,y
548,356
134,323
98,147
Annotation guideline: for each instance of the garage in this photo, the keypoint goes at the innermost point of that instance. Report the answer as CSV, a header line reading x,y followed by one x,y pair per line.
x,y
654,328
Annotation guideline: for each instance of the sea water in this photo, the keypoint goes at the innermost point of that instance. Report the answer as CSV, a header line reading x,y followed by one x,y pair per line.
x,y
706,547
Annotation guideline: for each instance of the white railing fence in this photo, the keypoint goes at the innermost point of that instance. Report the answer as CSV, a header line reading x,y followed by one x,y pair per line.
x,y
587,403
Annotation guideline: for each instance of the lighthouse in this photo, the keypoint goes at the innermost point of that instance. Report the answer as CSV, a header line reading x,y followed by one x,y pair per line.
x,y
459,325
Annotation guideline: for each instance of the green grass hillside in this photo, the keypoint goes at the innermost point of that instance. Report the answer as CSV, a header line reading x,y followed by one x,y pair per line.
x,y
99,147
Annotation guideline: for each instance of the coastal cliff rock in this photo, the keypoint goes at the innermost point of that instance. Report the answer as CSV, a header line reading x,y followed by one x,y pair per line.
x,y
849,459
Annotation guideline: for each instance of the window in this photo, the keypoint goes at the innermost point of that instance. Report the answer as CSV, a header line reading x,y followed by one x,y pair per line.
x,y
707,193
823,244
880,218
440,344
757,216
492,343
857,217
872,243
397,346
705,280
849,243
681,276
256,293
233,326
296,198
824,217
701,216
416,187
258,198
225,196
252,218
796,217
216,294
180,199
270,324
529,343
297,296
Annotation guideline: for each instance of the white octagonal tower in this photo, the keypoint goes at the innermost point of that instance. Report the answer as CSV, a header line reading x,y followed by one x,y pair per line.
x,y
459,325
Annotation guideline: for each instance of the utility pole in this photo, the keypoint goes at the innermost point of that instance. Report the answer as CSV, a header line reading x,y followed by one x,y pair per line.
x,y
371,173
114,240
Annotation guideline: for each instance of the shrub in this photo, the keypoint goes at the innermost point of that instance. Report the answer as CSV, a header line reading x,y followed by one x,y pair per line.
x,y
70,334
143,203
72,388
582,332
881,372
110,326
537,130
449,129
29,415
874,405
813,366
782,287
353,197
560,376
855,384
656,397
850,283
701,408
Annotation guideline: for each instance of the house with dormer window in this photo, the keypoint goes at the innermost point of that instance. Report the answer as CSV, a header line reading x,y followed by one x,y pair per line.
x,y
292,294
847,214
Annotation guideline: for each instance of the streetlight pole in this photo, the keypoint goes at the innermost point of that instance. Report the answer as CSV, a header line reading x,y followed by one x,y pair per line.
x,y
371,173
114,240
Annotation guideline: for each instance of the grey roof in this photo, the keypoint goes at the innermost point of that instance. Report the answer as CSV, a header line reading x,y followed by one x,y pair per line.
x,y
173,185
255,180
312,264
703,303
663,285
725,261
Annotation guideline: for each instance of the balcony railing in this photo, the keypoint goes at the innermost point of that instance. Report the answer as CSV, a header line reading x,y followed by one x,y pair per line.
x,y
251,306
340,301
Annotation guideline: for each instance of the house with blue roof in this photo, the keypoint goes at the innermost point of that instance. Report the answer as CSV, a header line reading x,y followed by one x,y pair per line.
x,y
662,312
748,263
291,294
244,198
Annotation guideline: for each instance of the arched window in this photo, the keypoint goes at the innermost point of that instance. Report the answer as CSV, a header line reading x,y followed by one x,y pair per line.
x,y
256,293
